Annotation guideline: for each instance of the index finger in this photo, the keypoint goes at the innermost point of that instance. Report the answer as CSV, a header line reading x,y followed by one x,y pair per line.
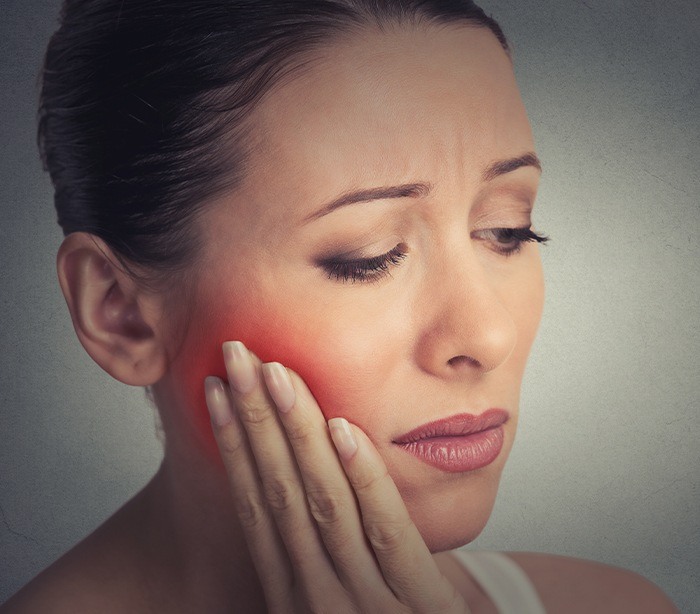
x,y
406,562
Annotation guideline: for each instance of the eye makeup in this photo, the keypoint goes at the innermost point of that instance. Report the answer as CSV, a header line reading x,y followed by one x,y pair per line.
x,y
364,269
508,241
514,238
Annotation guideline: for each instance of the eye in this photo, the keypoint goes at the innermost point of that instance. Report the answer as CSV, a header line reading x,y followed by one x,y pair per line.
x,y
510,241
364,269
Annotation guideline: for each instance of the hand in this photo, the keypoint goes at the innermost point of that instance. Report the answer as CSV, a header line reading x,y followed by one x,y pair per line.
x,y
327,530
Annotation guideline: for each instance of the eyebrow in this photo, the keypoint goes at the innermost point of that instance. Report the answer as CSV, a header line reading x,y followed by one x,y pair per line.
x,y
420,189
501,167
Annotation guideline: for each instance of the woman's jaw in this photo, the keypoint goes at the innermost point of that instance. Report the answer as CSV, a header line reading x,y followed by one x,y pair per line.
x,y
450,329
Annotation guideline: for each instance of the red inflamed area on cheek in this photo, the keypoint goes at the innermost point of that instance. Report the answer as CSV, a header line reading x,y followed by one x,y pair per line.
x,y
269,338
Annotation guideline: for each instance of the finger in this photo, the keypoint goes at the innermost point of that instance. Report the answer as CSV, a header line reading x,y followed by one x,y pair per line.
x,y
262,537
405,560
279,474
331,498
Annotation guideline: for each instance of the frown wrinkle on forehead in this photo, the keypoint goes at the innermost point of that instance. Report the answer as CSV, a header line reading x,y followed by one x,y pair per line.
x,y
438,106
419,190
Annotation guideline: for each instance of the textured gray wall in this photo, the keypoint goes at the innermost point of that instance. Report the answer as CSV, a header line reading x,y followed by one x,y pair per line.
x,y
607,463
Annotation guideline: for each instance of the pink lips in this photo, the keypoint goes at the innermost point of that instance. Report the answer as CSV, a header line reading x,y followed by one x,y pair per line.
x,y
463,442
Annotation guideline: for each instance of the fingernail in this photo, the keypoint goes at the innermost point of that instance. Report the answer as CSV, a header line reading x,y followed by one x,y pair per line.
x,y
240,367
217,401
280,385
343,437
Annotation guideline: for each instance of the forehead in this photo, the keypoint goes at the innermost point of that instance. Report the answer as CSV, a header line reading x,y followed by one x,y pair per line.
x,y
405,104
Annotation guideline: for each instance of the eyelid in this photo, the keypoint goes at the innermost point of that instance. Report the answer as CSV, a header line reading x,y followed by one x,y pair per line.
x,y
505,214
371,249
503,209
375,268
354,257
365,270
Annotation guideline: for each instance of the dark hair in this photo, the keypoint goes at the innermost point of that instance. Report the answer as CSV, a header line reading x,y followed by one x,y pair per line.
x,y
143,104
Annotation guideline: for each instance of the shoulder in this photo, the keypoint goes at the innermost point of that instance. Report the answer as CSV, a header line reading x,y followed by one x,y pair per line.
x,y
56,590
572,585
96,575
76,582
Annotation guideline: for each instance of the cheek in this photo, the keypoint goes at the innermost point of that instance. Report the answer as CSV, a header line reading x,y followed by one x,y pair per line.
x,y
526,301
532,289
329,353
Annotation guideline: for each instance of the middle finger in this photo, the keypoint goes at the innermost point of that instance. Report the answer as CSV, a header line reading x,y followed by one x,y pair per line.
x,y
281,482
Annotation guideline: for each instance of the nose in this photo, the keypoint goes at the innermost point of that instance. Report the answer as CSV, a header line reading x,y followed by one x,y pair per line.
x,y
467,327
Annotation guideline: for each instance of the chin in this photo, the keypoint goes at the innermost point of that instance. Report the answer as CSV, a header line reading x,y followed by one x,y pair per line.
x,y
456,514
454,531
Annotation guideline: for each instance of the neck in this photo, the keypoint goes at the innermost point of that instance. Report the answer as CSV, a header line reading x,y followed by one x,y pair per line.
x,y
192,543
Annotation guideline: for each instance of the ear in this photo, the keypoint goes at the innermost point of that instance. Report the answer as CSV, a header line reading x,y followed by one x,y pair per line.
x,y
116,321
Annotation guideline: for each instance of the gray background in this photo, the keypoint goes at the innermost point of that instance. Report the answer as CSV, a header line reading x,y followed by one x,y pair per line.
x,y
606,464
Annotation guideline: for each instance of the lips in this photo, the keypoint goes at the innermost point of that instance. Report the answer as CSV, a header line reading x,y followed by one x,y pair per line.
x,y
458,444
456,426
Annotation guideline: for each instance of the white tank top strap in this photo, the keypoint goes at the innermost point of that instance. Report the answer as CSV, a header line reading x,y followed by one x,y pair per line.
x,y
503,580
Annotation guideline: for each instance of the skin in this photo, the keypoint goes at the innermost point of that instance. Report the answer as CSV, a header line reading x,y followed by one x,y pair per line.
x,y
436,349
449,331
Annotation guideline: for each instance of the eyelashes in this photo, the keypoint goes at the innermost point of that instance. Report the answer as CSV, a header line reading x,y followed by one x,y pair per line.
x,y
508,241
365,269
514,239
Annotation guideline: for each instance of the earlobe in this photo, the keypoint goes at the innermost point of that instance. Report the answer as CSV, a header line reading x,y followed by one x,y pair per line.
x,y
115,321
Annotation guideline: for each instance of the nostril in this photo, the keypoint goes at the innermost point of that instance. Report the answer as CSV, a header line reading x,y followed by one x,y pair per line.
x,y
461,359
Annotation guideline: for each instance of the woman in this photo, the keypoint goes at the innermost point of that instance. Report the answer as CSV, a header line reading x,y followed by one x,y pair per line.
x,y
307,227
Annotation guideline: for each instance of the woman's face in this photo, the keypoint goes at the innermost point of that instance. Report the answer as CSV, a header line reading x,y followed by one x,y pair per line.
x,y
448,326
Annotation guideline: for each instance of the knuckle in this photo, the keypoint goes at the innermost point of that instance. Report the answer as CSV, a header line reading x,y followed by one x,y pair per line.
x,y
254,415
456,603
281,493
231,445
386,536
300,433
315,607
448,604
321,605
327,507
370,482
251,510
